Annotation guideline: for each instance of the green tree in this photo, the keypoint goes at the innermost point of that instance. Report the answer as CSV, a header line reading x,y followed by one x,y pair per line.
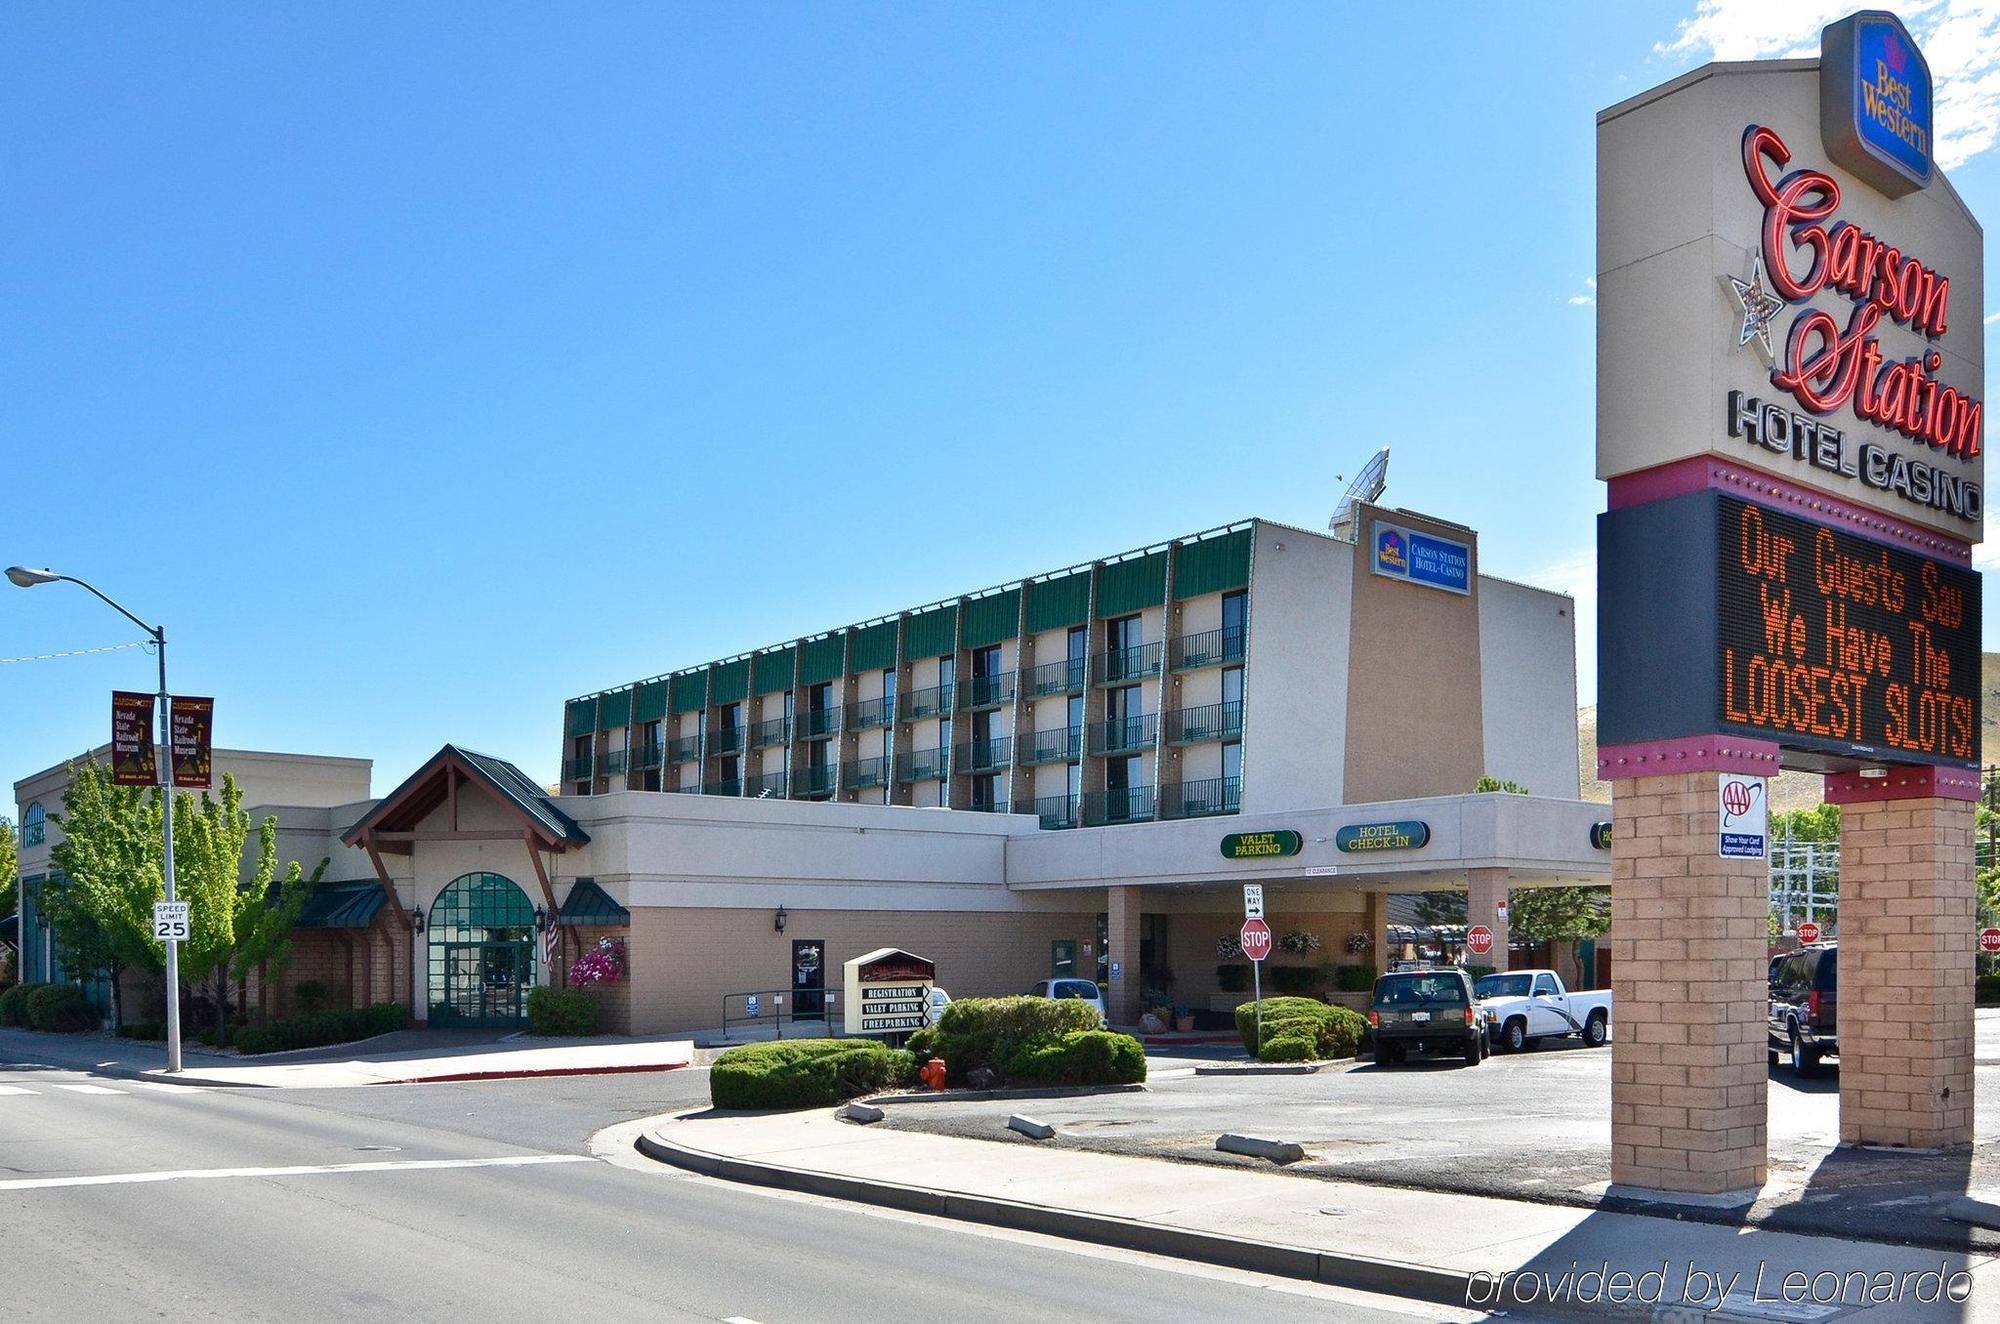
x,y
233,922
10,870
1560,914
102,909
1488,785
1818,829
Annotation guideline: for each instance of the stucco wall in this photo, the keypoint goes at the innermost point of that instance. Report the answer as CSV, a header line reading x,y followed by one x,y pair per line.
x,y
1295,711
1527,679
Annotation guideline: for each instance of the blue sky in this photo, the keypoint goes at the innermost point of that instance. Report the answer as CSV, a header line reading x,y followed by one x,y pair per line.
x,y
421,367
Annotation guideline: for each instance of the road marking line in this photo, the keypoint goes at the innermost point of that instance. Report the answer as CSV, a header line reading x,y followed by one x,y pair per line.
x,y
165,1088
89,1089
299,1170
14,1089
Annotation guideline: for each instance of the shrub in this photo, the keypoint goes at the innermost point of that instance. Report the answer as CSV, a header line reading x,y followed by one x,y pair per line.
x,y
986,1032
326,1027
1287,1048
1296,980
1332,1032
1479,972
142,1030
806,1073
61,1008
561,1011
1081,1057
1232,978
14,1005
310,996
1354,978
1988,990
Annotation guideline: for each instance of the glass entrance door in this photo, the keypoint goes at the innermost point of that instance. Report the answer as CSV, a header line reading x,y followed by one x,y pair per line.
x,y
482,953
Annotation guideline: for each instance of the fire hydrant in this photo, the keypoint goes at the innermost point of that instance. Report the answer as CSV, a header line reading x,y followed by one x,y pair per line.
x,y
932,1073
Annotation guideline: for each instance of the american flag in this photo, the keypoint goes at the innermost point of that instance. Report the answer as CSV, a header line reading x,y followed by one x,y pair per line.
x,y
551,944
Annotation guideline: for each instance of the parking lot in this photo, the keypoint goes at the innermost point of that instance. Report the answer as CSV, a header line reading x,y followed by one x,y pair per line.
x,y
1534,1125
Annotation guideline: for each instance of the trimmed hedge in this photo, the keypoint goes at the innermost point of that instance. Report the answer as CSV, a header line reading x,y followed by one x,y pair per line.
x,y
806,1073
985,1033
1987,989
1232,978
1081,1057
61,1009
1297,980
1354,978
1327,1032
326,1027
14,1005
561,1011
153,1030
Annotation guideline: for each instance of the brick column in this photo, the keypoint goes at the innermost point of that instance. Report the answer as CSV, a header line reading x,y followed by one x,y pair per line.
x,y
1484,890
1378,927
1688,932
1122,950
1907,942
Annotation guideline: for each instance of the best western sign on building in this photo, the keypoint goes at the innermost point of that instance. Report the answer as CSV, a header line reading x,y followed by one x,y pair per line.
x,y
1790,411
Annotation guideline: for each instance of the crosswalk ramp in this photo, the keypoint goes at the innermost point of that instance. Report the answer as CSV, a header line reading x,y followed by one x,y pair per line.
x,y
124,1087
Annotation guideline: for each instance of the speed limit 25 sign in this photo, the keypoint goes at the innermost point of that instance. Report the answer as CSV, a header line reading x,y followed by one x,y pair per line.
x,y
170,921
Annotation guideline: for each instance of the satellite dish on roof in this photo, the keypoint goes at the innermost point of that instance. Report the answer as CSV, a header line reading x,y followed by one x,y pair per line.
x,y
1367,486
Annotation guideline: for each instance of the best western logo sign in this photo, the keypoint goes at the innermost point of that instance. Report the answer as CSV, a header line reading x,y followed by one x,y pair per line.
x,y
1875,102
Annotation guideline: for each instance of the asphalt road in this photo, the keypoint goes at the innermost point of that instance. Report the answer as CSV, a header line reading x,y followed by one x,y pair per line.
x,y
123,1200
1533,1126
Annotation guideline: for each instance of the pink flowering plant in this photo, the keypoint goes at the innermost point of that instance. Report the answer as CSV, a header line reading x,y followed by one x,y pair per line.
x,y
602,964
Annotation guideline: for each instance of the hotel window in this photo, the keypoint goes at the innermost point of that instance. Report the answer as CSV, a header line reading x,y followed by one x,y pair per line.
x,y
1124,711
889,694
35,822
1079,654
1232,688
986,792
1122,633
1235,609
579,757
947,678
649,756
820,697
732,716
1074,720
1232,762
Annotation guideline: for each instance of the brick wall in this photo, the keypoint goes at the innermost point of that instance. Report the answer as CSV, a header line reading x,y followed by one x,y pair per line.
x,y
1688,932
1906,972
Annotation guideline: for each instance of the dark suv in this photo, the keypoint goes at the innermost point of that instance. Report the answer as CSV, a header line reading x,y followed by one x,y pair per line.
x,y
1805,989
1430,1011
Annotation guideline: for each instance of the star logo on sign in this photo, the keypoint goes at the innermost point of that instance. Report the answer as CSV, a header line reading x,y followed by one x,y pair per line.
x,y
1760,308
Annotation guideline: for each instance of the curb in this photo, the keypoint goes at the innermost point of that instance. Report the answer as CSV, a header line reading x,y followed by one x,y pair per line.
x,y
195,1081
985,1096
1391,1277
535,1074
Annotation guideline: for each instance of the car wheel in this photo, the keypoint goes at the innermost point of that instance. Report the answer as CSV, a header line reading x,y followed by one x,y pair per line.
x,y
1594,1032
1805,1061
1515,1036
1473,1057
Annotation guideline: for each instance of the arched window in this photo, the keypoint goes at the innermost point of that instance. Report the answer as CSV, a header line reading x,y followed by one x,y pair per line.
x,y
481,935
34,825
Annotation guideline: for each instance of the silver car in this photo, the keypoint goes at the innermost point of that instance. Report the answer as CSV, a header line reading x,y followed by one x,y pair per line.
x,y
1082,990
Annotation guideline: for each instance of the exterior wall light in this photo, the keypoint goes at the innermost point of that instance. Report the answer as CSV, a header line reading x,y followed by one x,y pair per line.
x,y
416,921
778,920
541,919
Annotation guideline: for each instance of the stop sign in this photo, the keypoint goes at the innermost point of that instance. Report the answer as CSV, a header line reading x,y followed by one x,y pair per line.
x,y
1808,932
1256,939
1989,940
1479,940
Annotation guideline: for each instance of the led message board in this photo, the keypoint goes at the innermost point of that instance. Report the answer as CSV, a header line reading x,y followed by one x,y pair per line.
x,y
1831,641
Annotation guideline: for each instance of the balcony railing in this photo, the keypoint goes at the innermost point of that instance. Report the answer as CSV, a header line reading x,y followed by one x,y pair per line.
x,y
1062,744
1210,648
774,732
822,721
990,807
984,755
814,780
1200,799
647,757
1124,735
1128,664
725,740
1134,804
863,773
921,765
1056,811
577,770
730,786
1064,676
933,702
612,764
684,750
1214,721
695,788
870,713
987,691
768,786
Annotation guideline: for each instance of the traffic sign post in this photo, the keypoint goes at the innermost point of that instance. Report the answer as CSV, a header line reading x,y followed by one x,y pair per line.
x,y
1808,932
1255,939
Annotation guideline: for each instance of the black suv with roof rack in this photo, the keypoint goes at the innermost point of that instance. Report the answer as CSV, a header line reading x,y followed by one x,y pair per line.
x,y
1805,995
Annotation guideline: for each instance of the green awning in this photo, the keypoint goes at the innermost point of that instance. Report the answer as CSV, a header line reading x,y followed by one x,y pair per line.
x,y
341,906
589,904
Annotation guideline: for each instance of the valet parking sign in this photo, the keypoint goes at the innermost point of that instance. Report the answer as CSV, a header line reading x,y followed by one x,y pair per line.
x,y
1791,363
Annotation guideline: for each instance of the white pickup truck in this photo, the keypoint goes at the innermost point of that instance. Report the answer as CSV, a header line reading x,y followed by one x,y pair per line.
x,y
1523,1006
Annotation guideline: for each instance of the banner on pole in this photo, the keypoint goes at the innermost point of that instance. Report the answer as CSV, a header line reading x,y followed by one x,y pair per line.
x,y
132,759
193,723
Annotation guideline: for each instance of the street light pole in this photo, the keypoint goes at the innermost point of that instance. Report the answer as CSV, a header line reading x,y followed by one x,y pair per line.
x,y
26,577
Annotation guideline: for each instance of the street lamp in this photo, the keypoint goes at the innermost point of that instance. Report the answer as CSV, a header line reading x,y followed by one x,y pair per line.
x,y
27,577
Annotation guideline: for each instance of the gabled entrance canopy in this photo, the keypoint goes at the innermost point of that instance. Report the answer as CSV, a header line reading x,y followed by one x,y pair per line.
x,y
395,826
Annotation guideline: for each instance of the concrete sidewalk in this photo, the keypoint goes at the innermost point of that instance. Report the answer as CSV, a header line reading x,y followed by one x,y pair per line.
x,y
320,1069
1445,1248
